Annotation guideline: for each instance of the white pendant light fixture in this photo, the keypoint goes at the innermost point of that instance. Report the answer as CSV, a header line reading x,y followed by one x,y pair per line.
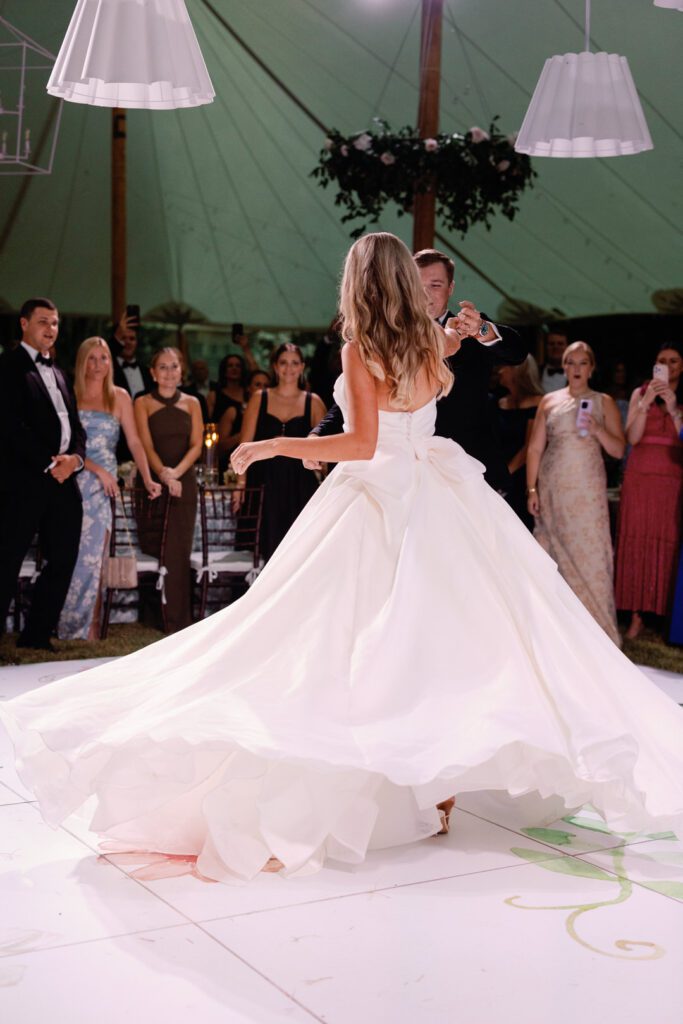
x,y
673,5
131,53
585,104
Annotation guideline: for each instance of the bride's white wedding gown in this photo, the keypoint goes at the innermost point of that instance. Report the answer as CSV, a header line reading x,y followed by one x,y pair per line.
x,y
408,640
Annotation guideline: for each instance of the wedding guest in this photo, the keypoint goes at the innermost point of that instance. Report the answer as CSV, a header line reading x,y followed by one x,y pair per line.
x,y
284,410
103,410
233,375
170,426
258,380
617,388
228,434
197,385
326,362
649,525
42,447
566,484
129,373
199,377
676,627
552,372
516,412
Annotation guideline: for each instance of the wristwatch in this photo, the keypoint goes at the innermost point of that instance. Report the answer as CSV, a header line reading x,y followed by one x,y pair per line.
x,y
484,329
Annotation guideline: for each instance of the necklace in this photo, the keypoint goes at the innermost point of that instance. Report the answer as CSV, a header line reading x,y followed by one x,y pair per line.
x,y
175,397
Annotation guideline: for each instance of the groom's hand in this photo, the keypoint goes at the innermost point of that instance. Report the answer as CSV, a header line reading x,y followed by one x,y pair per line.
x,y
470,319
64,466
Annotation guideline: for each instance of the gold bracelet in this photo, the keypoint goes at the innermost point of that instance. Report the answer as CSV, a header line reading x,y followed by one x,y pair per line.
x,y
530,490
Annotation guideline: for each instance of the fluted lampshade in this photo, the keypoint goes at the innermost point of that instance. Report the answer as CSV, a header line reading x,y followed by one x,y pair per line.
x,y
673,5
585,104
131,53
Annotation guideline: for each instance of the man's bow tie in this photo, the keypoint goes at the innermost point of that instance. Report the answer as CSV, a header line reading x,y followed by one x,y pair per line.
x,y
552,370
44,360
132,365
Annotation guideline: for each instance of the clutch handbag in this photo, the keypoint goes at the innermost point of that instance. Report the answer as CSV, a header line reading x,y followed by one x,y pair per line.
x,y
121,571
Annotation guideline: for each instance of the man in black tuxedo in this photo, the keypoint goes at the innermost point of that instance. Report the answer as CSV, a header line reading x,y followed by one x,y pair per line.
x,y
129,374
463,414
42,447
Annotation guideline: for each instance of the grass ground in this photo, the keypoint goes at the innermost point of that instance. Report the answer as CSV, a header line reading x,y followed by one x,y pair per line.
x,y
122,639
651,649
648,649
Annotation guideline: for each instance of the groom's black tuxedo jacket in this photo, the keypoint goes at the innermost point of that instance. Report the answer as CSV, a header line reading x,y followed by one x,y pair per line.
x,y
30,431
463,414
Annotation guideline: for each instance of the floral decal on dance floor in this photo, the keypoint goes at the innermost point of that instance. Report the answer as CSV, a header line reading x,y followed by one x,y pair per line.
x,y
626,949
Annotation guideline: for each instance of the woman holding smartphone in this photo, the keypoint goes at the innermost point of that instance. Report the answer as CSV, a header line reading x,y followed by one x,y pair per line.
x,y
649,528
567,486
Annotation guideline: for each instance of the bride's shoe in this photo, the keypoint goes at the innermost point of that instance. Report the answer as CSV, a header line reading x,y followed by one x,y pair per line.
x,y
444,809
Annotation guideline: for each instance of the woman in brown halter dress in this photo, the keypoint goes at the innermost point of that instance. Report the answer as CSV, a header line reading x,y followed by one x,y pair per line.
x,y
170,426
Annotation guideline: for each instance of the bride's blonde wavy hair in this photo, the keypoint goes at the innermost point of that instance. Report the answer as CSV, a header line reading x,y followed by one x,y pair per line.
x,y
384,312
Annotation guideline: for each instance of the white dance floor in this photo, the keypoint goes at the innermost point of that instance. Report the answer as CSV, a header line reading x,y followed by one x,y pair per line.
x,y
568,924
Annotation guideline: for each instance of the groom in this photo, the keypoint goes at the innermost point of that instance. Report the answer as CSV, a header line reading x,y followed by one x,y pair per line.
x,y
463,414
42,447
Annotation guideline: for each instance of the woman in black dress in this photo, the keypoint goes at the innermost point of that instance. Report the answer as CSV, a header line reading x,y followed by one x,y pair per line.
x,y
231,421
516,412
230,391
283,410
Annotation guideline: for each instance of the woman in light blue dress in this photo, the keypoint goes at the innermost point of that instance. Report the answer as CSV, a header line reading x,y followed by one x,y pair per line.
x,y
103,410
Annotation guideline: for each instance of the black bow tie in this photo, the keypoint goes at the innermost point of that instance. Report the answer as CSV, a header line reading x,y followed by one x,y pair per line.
x,y
44,360
130,366
552,370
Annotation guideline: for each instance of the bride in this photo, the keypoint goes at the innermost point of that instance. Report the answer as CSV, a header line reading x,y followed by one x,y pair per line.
x,y
409,639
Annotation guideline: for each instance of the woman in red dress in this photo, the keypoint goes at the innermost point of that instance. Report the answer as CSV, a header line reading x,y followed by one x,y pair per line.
x,y
648,535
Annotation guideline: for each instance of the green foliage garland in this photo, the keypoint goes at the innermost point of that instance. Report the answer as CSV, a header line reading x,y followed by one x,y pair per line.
x,y
473,175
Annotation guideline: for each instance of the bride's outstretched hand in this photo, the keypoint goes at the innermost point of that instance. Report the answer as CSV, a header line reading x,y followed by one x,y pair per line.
x,y
250,451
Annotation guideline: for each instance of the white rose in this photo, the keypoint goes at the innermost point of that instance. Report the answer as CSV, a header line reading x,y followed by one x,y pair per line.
x,y
512,139
344,150
479,135
431,145
503,166
328,144
363,142
388,159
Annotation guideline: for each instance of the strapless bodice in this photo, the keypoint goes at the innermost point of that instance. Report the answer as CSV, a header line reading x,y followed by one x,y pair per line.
x,y
395,428
102,434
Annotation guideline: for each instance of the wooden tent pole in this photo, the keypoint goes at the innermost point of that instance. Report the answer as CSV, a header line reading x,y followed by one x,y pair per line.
x,y
428,114
118,213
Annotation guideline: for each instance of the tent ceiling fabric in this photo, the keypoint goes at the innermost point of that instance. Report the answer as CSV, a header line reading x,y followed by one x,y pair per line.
x,y
224,217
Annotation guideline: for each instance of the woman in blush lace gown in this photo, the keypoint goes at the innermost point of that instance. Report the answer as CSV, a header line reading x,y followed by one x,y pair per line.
x,y
356,685
567,485
103,410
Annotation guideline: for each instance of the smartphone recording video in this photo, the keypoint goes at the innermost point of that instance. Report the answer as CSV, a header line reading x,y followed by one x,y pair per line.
x,y
660,371
133,314
583,413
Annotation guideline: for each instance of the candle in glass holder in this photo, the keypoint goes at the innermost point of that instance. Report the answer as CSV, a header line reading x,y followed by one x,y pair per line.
x,y
211,453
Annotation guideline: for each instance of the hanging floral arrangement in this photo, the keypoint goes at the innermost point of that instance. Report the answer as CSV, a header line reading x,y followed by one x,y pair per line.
x,y
473,176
